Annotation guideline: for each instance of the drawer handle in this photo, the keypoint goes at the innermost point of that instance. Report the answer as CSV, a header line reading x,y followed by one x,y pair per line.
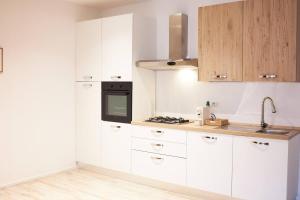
x,y
157,132
88,77
157,147
157,160
268,76
263,146
116,77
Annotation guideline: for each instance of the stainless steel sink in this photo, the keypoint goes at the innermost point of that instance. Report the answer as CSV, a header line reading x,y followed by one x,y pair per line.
x,y
273,131
254,129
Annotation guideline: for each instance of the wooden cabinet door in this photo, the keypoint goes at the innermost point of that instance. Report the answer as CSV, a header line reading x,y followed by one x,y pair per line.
x,y
270,40
116,146
88,118
259,169
221,42
209,162
117,40
88,51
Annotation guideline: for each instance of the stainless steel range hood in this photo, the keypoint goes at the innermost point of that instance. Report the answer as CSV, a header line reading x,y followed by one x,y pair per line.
x,y
178,42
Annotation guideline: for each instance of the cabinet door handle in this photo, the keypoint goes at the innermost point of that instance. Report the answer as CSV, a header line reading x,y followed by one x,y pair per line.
x,y
116,77
209,139
261,143
268,76
87,85
220,77
115,127
88,77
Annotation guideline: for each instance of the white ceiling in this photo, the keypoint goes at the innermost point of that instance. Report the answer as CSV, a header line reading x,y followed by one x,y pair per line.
x,y
104,3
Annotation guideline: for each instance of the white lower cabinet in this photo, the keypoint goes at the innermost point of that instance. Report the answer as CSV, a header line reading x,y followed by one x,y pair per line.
x,y
260,169
116,143
156,166
209,162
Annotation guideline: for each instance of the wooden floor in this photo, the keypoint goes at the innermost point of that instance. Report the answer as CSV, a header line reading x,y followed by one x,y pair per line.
x,y
81,184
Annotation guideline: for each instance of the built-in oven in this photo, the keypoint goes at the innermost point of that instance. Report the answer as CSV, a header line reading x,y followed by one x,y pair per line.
x,y
117,102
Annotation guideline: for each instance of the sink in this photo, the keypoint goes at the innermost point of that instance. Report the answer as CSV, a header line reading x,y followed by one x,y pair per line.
x,y
273,131
255,129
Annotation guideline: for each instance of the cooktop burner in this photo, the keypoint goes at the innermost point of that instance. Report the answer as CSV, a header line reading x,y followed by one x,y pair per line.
x,y
167,120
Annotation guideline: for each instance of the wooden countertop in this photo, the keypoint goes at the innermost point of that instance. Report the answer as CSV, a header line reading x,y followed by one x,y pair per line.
x,y
215,129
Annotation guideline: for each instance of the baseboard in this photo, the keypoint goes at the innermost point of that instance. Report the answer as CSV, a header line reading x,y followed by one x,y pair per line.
x,y
38,176
154,183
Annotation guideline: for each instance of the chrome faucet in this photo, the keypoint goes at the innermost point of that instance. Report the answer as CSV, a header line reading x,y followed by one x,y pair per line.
x,y
263,123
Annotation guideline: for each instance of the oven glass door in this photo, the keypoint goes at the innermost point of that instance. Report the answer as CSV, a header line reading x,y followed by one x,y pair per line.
x,y
117,106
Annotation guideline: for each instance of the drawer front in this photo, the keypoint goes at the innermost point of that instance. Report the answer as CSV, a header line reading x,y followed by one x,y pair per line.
x,y
159,147
167,135
155,166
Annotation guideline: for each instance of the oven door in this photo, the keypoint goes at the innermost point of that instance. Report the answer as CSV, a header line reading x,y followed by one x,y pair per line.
x,y
117,106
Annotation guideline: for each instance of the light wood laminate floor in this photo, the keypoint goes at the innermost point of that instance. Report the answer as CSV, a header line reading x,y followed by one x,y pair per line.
x,y
81,184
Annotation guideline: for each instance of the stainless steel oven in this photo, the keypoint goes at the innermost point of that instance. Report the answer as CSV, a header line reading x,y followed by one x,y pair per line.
x,y
117,102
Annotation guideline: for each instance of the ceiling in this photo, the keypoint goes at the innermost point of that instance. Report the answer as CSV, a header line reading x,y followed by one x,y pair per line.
x,y
104,3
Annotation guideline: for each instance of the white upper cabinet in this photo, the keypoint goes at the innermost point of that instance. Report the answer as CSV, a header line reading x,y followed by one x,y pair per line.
x,y
88,59
117,48
209,163
116,144
88,121
260,169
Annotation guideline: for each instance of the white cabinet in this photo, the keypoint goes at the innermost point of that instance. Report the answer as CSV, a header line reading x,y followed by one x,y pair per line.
x,y
260,169
209,162
88,55
161,167
88,119
116,154
117,48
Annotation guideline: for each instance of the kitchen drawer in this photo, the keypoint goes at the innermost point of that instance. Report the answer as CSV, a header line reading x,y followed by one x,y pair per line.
x,y
155,146
155,166
167,135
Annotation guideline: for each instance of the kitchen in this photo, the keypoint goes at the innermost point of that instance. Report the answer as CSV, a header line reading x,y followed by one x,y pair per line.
x,y
39,97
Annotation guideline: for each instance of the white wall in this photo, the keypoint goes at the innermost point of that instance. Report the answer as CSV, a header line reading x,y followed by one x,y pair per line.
x,y
180,92
37,87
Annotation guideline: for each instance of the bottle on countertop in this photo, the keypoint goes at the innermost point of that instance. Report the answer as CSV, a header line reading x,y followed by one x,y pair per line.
x,y
203,113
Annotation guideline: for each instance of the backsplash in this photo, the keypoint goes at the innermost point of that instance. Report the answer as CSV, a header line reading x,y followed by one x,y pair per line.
x,y
179,93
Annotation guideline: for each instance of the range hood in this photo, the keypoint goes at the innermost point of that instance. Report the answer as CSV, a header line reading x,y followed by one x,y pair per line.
x,y
178,42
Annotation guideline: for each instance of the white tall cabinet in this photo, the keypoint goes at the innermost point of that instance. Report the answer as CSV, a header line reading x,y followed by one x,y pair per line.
x,y
107,50
88,92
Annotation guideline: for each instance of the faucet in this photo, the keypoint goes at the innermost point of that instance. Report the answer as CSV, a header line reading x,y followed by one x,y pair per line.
x,y
263,123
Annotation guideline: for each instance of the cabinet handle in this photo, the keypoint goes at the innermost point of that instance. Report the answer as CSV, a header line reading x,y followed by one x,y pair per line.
x,y
157,132
268,76
116,77
115,127
157,160
157,146
220,77
261,143
87,85
88,77
209,139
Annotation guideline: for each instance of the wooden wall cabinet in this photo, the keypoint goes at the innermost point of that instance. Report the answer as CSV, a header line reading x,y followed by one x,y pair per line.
x,y
221,42
270,41
251,40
